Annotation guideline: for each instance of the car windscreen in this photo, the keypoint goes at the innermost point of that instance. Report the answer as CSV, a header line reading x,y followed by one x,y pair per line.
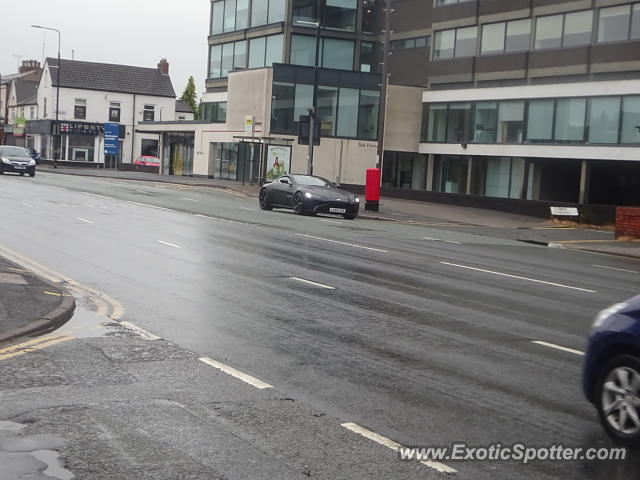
x,y
14,152
311,181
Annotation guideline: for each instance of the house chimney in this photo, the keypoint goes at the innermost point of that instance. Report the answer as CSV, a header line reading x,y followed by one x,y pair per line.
x,y
163,66
29,66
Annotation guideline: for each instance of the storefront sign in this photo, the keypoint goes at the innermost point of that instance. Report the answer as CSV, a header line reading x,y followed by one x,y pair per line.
x,y
564,211
80,128
278,161
111,138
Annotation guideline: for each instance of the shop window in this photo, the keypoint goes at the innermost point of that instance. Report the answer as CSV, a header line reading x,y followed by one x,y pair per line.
x,y
81,148
504,177
114,112
451,174
459,123
217,17
148,113
510,122
80,109
540,121
630,120
604,117
569,121
148,147
485,122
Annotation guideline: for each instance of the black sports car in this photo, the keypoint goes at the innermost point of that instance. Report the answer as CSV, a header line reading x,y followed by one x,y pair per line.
x,y
308,194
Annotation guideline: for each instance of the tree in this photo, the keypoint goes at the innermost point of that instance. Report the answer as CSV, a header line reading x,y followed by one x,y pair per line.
x,y
189,95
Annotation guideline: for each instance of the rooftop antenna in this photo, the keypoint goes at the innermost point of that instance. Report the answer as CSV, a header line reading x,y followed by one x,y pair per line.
x,y
18,57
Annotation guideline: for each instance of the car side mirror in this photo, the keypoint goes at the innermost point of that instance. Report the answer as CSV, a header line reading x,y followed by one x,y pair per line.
x,y
285,180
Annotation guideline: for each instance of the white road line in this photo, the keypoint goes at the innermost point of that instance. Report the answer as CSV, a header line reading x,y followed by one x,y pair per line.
x,y
342,243
558,347
309,282
616,269
147,205
95,195
253,381
395,446
27,204
440,240
250,209
189,199
599,231
519,278
83,220
169,244
221,219
332,221
140,331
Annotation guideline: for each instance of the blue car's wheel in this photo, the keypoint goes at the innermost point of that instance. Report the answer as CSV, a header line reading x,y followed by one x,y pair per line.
x,y
618,399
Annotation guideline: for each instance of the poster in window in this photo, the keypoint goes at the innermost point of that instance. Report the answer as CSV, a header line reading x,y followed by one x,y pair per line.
x,y
278,161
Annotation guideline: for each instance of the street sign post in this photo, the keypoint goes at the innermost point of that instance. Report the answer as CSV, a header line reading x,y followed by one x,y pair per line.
x,y
111,141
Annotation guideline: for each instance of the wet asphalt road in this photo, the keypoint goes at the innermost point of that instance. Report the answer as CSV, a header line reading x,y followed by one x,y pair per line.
x,y
425,335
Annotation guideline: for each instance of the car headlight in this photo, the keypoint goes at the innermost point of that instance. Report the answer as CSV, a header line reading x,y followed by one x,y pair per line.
x,y
308,195
32,162
357,199
606,313
6,160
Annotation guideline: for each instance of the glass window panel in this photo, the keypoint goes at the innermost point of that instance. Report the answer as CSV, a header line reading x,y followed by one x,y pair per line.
x,y
437,123
549,32
498,177
276,11
227,58
518,34
303,100
274,49
635,22
604,117
368,114
493,38
242,14
258,12
215,61
485,122
540,121
282,108
367,56
348,112
613,25
327,102
517,177
444,43
630,120
217,17
303,50
511,121
420,42
304,11
577,28
570,117
229,15
452,174
256,52
369,12
459,123
339,53
240,54
340,14
466,39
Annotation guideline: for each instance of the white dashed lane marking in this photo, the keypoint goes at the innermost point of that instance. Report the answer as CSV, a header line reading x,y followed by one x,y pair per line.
x,y
253,381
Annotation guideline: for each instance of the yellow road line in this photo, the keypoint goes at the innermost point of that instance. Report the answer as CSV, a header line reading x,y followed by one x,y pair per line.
x,y
18,346
38,346
56,294
582,241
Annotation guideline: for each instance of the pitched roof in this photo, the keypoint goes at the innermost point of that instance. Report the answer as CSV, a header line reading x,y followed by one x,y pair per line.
x,y
183,107
109,77
26,92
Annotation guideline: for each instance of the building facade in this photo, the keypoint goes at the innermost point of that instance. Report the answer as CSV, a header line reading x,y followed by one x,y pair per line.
x,y
18,103
92,94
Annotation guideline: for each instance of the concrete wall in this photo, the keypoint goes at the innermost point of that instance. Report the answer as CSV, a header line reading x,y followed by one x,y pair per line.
x,y
249,94
404,119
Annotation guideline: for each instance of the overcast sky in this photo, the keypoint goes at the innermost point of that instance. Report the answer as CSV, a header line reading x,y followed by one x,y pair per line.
x,y
128,32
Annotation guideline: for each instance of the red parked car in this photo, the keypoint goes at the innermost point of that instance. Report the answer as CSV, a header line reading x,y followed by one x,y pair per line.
x,y
147,160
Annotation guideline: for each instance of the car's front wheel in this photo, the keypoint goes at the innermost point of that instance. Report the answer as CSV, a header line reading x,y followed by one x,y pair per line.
x,y
32,172
618,400
350,216
264,200
298,203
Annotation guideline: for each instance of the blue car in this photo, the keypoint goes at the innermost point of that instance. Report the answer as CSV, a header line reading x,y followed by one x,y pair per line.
x,y
611,379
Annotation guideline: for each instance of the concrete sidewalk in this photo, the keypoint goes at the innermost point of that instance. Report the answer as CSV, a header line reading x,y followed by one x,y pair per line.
x,y
532,229
29,304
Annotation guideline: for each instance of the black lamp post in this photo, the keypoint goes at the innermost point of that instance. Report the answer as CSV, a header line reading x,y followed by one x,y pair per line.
x,y
56,153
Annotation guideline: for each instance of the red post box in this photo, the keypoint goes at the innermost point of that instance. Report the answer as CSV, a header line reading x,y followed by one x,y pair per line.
x,y
372,190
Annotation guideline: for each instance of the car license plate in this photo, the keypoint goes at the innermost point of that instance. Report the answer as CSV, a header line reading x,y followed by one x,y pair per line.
x,y
338,210
20,167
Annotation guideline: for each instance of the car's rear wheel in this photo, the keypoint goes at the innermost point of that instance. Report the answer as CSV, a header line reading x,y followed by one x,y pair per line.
x,y
618,400
263,199
298,203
